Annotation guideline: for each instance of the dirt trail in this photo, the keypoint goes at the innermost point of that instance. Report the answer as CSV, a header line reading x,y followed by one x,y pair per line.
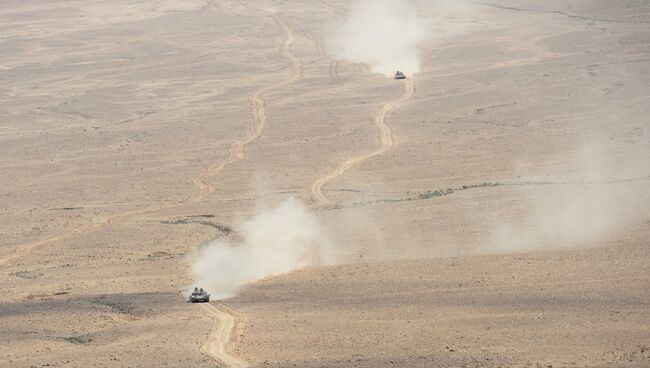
x,y
205,188
216,347
260,119
27,248
224,320
335,9
385,139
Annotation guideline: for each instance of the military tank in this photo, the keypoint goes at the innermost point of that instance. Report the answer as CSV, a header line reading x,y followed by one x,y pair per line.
x,y
199,296
399,75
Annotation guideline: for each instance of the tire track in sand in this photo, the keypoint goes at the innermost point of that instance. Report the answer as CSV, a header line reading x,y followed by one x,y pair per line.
x,y
216,347
225,321
205,188
237,149
27,248
385,139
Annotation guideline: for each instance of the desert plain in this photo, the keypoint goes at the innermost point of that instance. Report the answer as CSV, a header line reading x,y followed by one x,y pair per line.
x,y
491,210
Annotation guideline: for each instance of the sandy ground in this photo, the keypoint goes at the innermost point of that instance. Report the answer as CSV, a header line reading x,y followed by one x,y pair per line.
x,y
131,133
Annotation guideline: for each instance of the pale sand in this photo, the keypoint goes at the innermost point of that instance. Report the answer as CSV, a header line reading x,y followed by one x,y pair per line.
x,y
131,133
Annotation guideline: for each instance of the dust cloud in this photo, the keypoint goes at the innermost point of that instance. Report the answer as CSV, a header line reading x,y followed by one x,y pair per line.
x,y
585,210
391,35
557,219
384,34
276,240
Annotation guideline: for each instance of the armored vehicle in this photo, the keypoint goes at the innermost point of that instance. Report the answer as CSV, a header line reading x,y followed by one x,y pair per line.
x,y
399,75
199,296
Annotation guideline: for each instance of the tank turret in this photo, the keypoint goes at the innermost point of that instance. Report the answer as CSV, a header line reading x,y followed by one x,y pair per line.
x,y
199,296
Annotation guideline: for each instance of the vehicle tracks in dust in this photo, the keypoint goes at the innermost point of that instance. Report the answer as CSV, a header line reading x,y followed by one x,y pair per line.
x,y
205,188
27,248
386,141
216,347
334,70
336,10
316,41
260,119
225,320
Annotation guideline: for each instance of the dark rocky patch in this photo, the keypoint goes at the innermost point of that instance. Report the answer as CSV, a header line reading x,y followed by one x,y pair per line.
x,y
223,229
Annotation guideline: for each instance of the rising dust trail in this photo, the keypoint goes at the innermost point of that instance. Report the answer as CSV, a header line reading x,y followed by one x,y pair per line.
x,y
237,153
386,141
225,320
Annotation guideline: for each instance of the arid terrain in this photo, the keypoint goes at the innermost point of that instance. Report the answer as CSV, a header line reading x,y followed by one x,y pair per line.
x,y
491,210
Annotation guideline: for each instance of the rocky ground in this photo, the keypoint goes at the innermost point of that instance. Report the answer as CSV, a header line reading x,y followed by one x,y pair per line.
x,y
507,225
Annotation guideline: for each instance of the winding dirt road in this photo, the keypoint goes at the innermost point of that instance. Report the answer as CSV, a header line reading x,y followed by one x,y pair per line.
x,y
205,188
260,119
225,320
216,347
27,248
385,139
